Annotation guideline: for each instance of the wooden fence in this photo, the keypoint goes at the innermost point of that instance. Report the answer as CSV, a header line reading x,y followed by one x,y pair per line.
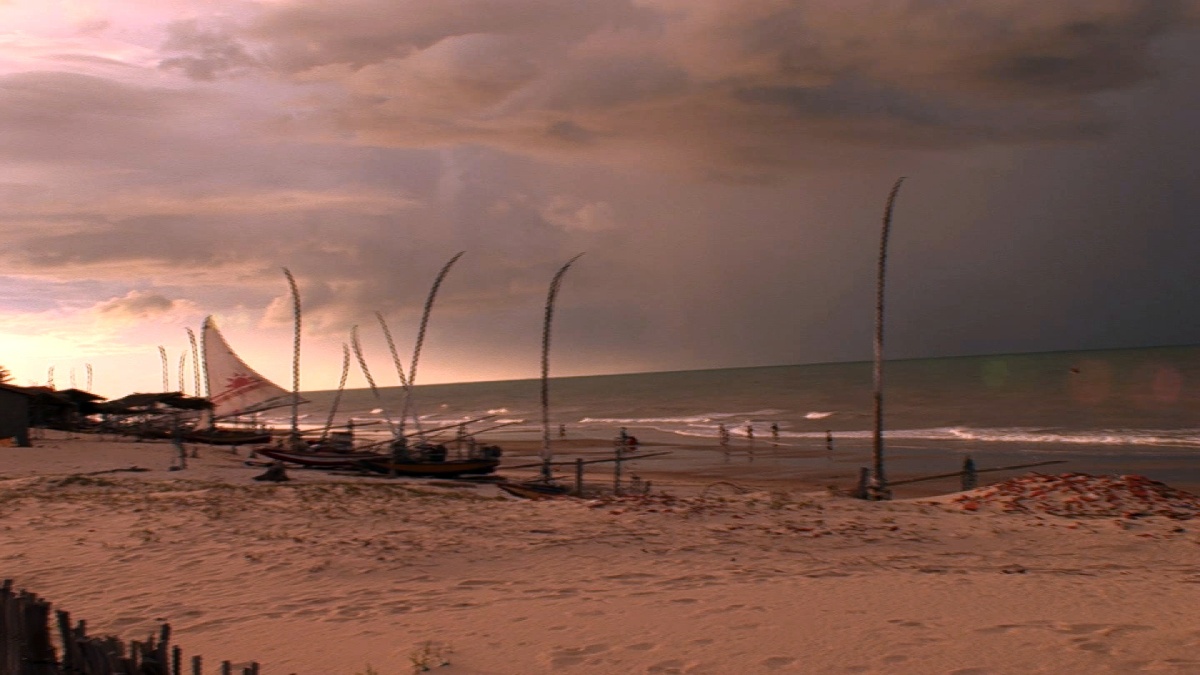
x,y
27,646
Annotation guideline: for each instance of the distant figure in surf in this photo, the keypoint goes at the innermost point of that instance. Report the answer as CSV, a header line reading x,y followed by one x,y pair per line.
x,y
774,431
723,434
829,440
562,431
749,431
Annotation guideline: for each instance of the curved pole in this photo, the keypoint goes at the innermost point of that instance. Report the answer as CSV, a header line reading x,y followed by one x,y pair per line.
x,y
550,297
362,363
337,398
294,437
182,371
879,486
162,352
387,334
412,369
195,361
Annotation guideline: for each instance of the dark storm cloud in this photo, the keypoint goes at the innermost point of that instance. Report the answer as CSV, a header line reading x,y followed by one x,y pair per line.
x,y
723,88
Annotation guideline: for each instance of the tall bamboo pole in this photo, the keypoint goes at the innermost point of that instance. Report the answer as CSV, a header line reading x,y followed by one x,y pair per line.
x,y
412,369
195,361
294,436
337,399
404,382
547,455
879,486
182,371
162,351
89,377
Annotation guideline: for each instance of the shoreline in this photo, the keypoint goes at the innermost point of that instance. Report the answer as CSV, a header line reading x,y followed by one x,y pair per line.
x,y
329,574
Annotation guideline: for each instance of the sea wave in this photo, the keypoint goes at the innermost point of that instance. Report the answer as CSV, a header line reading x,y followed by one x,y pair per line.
x,y
1182,438
632,421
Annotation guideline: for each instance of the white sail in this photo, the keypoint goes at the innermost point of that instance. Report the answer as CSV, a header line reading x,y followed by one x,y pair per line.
x,y
234,388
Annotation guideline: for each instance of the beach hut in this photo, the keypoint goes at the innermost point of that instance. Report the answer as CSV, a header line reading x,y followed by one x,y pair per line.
x,y
14,416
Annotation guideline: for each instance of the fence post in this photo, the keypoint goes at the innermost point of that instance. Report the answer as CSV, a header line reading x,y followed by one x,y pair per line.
x,y
39,657
8,637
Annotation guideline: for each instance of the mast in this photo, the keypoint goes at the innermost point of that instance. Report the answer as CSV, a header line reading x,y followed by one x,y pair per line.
x,y
294,436
554,284
404,382
879,487
162,351
412,370
337,399
195,361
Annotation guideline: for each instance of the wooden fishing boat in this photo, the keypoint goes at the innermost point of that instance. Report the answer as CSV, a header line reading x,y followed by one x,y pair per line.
x,y
223,436
432,460
318,459
445,469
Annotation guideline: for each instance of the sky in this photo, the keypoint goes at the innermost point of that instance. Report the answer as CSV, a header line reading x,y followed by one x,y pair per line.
x,y
721,164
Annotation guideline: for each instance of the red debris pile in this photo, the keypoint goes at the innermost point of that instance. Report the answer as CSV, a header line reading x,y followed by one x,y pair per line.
x,y
1081,494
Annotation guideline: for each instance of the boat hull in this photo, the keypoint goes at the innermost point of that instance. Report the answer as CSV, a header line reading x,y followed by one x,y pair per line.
x,y
320,460
228,437
440,469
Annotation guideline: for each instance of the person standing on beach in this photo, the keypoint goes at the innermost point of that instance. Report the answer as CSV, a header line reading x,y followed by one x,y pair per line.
x,y
177,441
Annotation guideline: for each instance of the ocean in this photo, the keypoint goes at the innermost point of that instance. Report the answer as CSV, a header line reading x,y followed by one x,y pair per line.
x,y
1111,411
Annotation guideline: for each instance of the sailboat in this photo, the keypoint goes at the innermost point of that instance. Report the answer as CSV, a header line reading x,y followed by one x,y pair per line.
x,y
234,389
424,458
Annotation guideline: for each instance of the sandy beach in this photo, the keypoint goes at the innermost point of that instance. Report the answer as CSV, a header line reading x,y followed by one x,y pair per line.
x,y
329,574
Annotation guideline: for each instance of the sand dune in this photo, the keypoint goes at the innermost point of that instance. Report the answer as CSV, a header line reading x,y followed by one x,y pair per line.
x,y
328,574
